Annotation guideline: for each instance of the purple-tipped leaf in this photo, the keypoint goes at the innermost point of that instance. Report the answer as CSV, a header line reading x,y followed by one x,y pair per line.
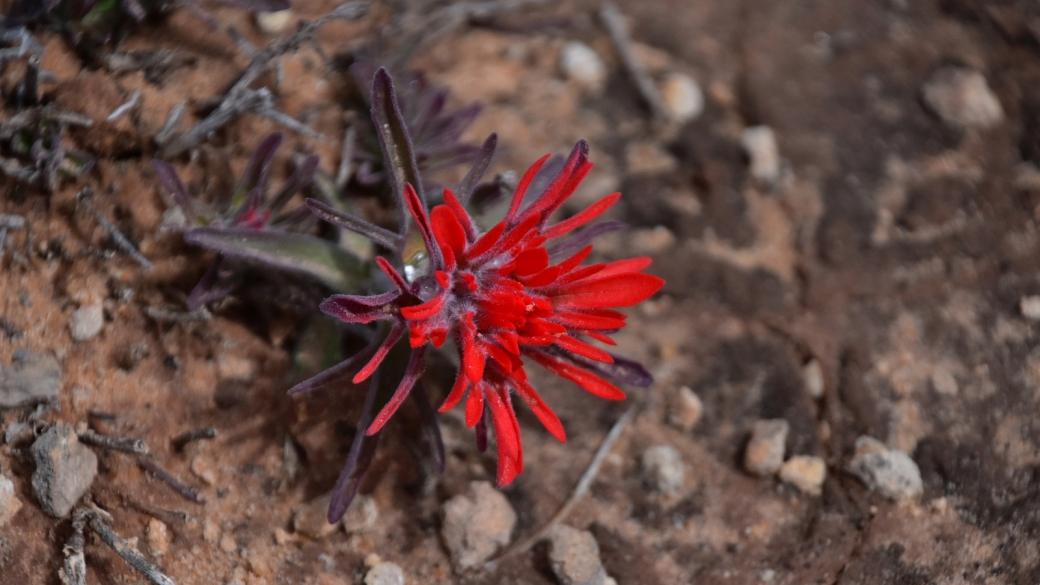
x,y
395,142
579,240
258,5
381,236
624,370
257,170
362,450
358,309
215,285
299,253
480,430
430,428
301,177
472,178
341,371
171,181
416,364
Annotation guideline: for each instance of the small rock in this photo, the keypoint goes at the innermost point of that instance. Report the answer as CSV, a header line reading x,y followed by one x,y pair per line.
x,y
648,158
31,378
765,449
943,382
574,556
371,560
385,574
1030,307
87,322
311,519
759,143
686,410
203,469
651,240
476,524
582,65
962,98
228,543
64,470
158,536
9,502
812,378
682,97
210,531
891,472
805,473
663,469
361,515
273,23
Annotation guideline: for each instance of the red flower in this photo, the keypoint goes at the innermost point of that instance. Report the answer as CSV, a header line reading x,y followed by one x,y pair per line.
x,y
503,298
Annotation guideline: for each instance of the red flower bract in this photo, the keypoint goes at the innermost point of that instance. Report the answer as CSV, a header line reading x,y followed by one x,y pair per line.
x,y
503,296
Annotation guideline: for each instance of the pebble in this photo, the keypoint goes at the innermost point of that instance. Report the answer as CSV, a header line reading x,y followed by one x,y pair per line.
x,y
31,378
962,98
759,143
663,469
361,515
476,524
805,473
64,470
889,471
9,502
582,65
273,23
686,410
157,534
87,322
574,557
311,519
1030,307
385,574
648,158
765,449
812,378
682,97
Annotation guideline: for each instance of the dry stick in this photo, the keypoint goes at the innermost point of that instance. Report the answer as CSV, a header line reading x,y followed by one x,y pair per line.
x,y
450,17
115,443
346,156
173,119
167,516
185,491
121,241
125,108
618,32
123,548
167,316
579,490
74,569
193,435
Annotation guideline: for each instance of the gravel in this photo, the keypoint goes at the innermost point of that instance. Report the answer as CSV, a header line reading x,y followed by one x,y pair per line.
x,y
1030,307
805,473
686,410
765,449
759,143
361,515
962,98
582,65
157,534
31,378
574,557
476,524
64,470
385,574
812,378
311,519
87,322
9,502
888,471
663,469
682,97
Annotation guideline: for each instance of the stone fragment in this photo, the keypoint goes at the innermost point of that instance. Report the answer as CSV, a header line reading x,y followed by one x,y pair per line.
x,y
361,515
476,524
64,470
682,97
759,143
582,65
157,534
962,98
765,449
87,322
311,519
1030,307
31,378
805,473
274,23
812,378
385,574
574,557
892,473
686,410
9,502
663,469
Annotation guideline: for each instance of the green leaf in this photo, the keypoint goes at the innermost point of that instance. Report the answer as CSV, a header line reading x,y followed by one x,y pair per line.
x,y
300,253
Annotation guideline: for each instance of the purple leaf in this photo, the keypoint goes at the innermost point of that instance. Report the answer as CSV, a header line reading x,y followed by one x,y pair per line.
x,y
481,428
579,240
381,236
255,175
301,177
430,429
213,287
362,450
358,309
395,142
337,372
469,182
171,181
625,370
258,5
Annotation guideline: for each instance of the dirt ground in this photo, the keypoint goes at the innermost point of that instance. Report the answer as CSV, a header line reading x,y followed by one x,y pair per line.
x,y
895,249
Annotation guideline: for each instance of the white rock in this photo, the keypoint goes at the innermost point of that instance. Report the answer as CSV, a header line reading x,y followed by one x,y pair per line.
x,y
891,472
87,322
311,519
805,473
476,524
9,502
962,98
682,97
759,143
361,515
765,449
663,469
385,574
686,410
574,556
1030,307
812,378
273,23
582,65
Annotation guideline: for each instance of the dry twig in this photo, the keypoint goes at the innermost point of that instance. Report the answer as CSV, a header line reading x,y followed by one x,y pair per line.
x,y
90,437
618,32
122,548
193,435
121,241
163,475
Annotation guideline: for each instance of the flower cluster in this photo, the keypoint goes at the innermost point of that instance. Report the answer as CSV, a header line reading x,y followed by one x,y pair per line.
x,y
503,296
